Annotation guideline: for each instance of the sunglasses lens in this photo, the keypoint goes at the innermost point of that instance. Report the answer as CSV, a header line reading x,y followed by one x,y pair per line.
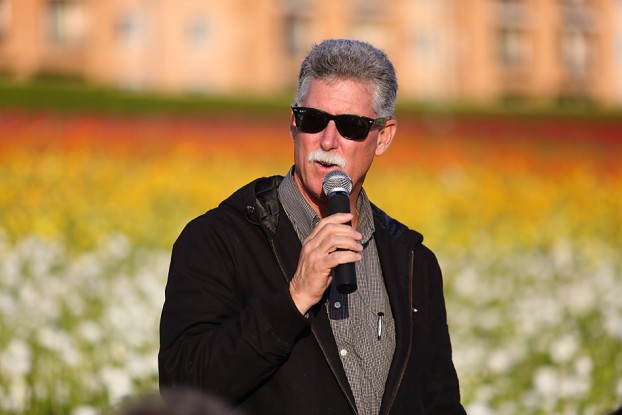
x,y
311,120
352,127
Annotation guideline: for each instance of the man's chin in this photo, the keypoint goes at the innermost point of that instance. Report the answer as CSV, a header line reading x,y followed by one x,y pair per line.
x,y
310,190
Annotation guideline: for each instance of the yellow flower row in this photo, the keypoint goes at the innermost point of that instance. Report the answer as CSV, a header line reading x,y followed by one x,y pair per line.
x,y
82,194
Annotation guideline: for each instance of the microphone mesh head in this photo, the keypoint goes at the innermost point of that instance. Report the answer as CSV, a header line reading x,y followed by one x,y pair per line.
x,y
337,181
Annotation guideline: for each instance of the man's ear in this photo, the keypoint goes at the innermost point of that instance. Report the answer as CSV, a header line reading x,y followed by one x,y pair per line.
x,y
385,137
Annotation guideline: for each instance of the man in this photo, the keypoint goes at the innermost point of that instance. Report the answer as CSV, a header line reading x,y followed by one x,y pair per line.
x,y
250,311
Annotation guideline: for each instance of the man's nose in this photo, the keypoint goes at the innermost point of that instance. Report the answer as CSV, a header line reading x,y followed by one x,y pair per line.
x,y
330,137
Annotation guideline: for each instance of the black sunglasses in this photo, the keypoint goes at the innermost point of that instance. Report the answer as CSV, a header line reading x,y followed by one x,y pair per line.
x,y
352,127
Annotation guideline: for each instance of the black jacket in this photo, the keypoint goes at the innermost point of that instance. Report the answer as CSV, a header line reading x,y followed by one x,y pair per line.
x,y
230,327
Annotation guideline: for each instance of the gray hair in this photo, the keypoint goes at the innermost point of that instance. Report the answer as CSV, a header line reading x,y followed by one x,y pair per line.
x,y
351,59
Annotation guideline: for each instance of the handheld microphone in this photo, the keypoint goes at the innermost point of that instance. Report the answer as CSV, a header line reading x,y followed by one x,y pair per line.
x,y
337,187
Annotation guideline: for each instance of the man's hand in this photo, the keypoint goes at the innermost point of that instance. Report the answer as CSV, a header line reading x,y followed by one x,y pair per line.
x,y
319,255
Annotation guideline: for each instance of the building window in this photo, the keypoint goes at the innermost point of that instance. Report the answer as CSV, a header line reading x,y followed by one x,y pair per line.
x,y
131,30
197,33
575,51
578,27
368,21
577,15
296,32
65,22
511,14
368,9
512,48
425,45
369,30
512,22
297,25
5,17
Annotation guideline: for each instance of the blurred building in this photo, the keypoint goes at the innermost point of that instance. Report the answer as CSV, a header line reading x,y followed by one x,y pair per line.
x,y
444,50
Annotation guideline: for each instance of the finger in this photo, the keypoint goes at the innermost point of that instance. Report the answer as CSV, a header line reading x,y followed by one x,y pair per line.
x,y
343,257
337,218
333,243
328,229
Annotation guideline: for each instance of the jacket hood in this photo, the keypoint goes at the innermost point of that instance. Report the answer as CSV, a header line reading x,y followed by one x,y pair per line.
x,y
258,201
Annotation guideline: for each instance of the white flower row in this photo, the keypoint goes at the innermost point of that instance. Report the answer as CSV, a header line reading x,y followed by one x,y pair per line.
x,y
78,330
534,331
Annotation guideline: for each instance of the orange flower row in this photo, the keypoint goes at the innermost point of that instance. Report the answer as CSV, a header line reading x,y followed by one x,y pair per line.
x,y
548,146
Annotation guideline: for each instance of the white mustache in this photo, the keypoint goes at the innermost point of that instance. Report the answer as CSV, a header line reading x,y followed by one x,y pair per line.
x,y
326,157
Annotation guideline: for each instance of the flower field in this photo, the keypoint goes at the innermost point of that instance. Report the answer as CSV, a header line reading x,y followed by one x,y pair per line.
x,y
525,216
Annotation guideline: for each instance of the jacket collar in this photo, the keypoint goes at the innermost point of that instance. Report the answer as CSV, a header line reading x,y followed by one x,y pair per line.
x,y
259,202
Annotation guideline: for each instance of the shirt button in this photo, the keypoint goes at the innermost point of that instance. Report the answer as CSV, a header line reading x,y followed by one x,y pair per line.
x,y
343,352
337,304
315,221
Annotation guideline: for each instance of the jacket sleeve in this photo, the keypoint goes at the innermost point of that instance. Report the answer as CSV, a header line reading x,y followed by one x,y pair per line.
x,y
212,337
441,393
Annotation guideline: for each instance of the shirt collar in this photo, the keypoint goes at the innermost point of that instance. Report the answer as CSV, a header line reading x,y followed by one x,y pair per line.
x,y
304,219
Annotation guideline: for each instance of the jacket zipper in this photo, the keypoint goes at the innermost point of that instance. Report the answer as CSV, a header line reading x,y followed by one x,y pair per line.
x,y
410,314
339,381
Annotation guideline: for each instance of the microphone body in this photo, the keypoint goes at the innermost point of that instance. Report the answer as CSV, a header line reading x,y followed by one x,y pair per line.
x,y
337,186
